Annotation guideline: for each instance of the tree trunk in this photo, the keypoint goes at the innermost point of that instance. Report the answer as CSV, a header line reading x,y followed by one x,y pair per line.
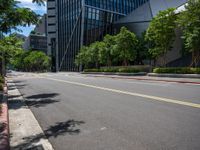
x,y
164,64
109,62
125,62
195,58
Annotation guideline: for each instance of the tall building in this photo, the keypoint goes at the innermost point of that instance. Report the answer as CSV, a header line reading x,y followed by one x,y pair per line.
x,y
81,22
74,23
37,40
51,33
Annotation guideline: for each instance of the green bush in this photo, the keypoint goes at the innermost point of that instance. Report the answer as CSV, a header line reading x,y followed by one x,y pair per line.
x,y
177,70
1,86
127,69
1,79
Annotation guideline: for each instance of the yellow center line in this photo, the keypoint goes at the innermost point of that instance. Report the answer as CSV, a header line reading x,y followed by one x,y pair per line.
x,y
132,94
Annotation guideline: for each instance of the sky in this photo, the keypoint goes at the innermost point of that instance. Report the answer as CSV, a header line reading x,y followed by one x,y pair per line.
x,y
38,9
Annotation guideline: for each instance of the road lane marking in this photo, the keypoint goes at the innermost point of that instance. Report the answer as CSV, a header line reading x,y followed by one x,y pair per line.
x,y
195,105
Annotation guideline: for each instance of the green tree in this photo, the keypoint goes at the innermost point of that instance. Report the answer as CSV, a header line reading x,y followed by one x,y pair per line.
x,y
31,61
161,32
141,50
107,51
82,57
11,16
9,47
189,21
126,46
37,61
94,50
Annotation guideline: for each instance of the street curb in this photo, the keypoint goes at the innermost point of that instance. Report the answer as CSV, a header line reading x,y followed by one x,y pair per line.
x,y
4,141
194,76
117,73
142,79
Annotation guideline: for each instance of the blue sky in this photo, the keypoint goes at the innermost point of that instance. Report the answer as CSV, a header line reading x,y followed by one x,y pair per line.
x,y
38,9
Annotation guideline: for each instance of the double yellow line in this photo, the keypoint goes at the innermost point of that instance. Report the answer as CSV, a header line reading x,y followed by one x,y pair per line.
x,y
195,105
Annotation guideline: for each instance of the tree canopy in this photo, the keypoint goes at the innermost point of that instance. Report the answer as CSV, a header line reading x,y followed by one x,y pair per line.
x,y
189,22
161,32
120,48
126,46
11,16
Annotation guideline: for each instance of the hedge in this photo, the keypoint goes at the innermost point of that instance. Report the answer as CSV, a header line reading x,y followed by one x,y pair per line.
x,y
1,83
128,69
177,70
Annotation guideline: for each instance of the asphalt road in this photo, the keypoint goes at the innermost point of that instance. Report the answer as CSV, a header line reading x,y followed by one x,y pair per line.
x,y
79,112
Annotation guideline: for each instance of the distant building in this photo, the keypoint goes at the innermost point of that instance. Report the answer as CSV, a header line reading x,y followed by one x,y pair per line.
x,y
37,40
20,36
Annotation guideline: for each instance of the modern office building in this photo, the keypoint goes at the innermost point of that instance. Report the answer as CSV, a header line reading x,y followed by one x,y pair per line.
x,y
74,23
138,21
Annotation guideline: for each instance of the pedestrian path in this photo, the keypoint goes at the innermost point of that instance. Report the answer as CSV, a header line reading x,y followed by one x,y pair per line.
x,y
25,131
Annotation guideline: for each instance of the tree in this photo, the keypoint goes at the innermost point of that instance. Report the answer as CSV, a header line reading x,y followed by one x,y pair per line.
x,y
82,57
12,16
39,2
93,52
107,50
126,46
161,32
31,61
9,47
189,21
141,50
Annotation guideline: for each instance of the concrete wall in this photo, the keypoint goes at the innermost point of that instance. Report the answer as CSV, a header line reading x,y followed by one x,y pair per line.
x,y
42,26
158,5
26,44
51,24
138,20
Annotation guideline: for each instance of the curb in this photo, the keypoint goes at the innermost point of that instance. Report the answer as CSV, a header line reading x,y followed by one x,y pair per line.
x,y
194,76
142,79
118,73
4,139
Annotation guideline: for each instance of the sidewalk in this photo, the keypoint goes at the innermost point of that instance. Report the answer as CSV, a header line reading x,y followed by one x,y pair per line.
x,y
149,78
25,132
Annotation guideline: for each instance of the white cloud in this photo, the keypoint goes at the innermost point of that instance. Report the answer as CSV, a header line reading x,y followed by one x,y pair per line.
x,y
34,7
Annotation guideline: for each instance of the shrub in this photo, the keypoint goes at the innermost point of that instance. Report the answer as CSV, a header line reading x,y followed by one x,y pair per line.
x,y
177,70
1,79
123,69
1,86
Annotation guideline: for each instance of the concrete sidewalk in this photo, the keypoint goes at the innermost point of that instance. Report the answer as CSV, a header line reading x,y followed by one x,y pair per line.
x,y
25,131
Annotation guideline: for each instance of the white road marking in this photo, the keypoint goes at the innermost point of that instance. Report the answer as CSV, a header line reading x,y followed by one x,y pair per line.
x,y
162,99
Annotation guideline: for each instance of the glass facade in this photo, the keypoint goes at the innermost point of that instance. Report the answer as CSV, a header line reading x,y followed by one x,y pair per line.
x,y
81,22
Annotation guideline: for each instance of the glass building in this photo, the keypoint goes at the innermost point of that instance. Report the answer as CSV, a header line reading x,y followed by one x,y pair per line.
x,y
81,22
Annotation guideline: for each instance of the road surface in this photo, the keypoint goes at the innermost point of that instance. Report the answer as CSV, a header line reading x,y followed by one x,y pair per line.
x,y
80,112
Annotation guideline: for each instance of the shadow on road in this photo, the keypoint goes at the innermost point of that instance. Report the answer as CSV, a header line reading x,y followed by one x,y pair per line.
x,y
69,127
18,86
41,100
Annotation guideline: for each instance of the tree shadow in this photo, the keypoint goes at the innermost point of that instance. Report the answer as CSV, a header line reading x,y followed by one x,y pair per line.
x,y
69,127
16,86
41,100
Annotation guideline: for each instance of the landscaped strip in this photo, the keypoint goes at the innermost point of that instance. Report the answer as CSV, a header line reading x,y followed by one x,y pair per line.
x,y
4,124
177,70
